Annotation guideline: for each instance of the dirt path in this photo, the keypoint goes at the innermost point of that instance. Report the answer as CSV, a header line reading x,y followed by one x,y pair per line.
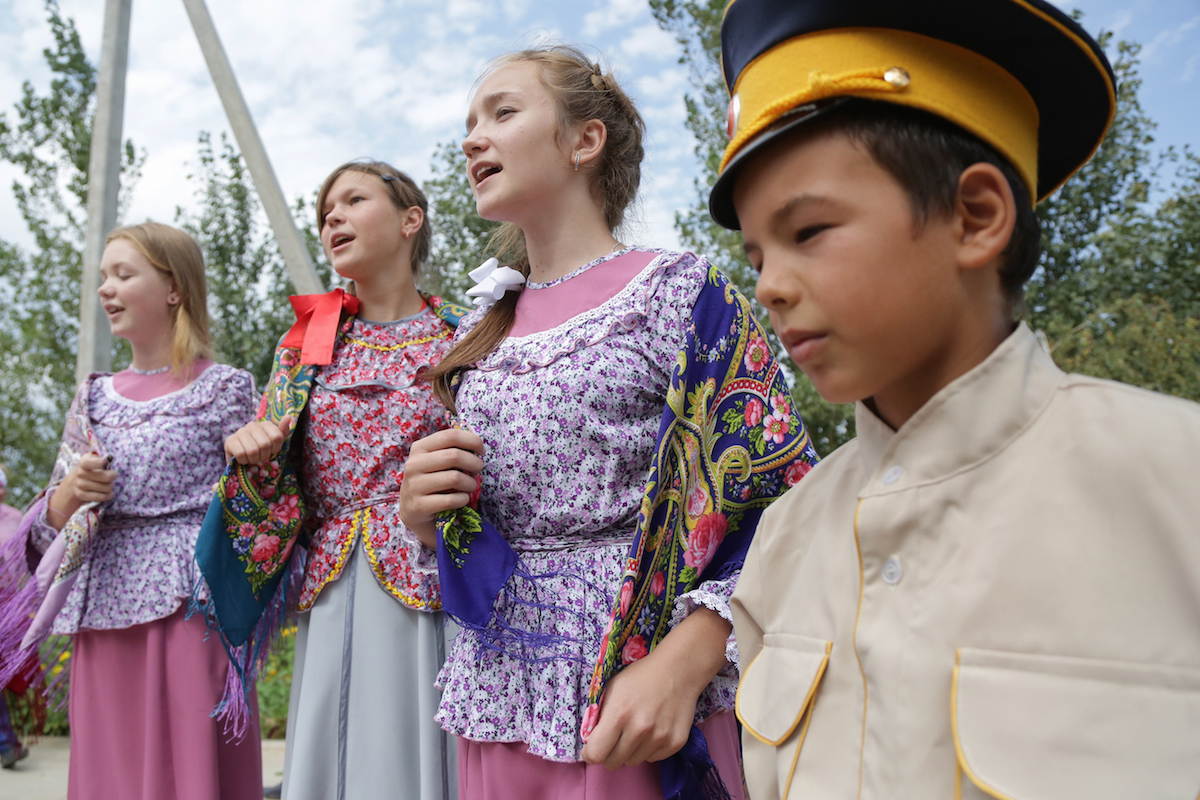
x,y
43,776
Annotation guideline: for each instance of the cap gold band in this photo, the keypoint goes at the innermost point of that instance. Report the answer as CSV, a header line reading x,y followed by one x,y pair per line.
x,y
899,67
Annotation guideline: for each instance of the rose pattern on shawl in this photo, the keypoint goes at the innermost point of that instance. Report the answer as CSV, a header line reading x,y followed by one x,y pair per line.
x,y
775,429
626,596
728,465
757,353
265,546
796,471
634,650
754,412
704,540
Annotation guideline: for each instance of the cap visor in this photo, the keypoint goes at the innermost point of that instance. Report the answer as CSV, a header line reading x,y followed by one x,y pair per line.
x,y
720,199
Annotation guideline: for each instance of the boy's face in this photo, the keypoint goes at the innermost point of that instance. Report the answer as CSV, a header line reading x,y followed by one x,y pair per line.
x,y
866,302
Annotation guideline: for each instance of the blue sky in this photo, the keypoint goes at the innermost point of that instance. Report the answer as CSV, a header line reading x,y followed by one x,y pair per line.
x,y
327,82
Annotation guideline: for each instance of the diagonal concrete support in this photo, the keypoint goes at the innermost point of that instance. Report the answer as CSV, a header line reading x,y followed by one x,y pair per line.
x,y
104,176
291,243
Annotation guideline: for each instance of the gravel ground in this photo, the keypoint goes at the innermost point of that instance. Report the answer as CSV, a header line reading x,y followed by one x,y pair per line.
x,y
43,776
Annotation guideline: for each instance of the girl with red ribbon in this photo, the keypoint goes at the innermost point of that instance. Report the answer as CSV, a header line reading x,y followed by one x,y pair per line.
x,y
324,464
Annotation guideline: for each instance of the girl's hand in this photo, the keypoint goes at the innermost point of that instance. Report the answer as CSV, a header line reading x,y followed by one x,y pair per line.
x,y
649,706
89,482
257,442
439,475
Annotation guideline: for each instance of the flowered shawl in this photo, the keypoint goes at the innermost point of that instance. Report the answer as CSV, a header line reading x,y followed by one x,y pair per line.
x,y
34,587
248,538
728,445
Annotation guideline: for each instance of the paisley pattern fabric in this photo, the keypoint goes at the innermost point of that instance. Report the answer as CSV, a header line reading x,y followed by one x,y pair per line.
x,y
720,461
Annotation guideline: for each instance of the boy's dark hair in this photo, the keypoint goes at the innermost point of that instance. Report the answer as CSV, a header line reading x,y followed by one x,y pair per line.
x,y
927,155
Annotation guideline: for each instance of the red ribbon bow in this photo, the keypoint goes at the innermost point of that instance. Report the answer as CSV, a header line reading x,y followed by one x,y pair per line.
x,y
317,318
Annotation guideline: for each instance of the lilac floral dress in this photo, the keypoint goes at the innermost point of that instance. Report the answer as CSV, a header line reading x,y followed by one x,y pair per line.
x,y
167,452
570,417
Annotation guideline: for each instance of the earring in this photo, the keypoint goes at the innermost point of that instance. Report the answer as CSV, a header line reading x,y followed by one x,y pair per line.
x,y
577,161
406,235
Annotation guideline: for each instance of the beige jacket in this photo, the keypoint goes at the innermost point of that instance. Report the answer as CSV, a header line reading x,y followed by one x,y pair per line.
x,y
1001,599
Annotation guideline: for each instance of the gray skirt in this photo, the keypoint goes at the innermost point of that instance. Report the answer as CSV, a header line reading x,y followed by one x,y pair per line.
x,y
360,719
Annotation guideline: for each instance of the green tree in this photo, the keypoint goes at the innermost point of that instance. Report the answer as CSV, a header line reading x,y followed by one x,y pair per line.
x,y
1138,341
460,236
1119,279
696,26
248,282
49,141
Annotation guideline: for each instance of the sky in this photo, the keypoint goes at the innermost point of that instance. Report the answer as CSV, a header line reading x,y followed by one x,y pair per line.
x,y
328,82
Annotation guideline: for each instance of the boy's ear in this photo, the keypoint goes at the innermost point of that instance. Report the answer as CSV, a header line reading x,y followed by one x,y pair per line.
x,y
987,214
591,139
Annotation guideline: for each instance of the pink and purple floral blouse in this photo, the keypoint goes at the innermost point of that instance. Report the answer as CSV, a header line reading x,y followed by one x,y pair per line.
x,y
366,409
570,417
167,451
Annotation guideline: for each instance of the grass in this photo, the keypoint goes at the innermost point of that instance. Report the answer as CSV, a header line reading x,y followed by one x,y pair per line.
x,y
274,687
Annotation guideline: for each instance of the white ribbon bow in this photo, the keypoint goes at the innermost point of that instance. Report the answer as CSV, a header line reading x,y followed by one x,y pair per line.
x,y
492,281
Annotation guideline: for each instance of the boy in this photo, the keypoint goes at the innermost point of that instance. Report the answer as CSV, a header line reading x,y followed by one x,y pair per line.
x,y
995,590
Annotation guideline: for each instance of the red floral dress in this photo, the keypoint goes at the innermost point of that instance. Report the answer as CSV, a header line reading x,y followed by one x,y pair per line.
x,y
366,409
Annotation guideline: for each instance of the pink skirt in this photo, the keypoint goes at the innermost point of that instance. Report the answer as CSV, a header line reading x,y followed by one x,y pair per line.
x,y
139,713
508,771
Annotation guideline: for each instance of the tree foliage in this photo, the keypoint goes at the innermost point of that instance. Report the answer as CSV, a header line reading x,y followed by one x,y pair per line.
x,y
49,141
460,236
248,282
1118,286
696,26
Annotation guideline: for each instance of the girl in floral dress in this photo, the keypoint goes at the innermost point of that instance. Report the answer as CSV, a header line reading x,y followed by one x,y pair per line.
x,y
129,490
371,637
581,427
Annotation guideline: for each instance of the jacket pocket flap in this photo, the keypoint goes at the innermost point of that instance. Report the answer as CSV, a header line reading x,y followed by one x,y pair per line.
x,y
779,685
1041,727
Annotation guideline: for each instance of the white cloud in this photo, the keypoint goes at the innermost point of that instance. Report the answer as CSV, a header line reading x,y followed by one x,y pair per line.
x,y
612,14
1169,38
650,41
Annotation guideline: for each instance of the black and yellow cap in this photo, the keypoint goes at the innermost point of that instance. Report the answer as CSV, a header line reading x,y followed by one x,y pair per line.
x,y
1019,74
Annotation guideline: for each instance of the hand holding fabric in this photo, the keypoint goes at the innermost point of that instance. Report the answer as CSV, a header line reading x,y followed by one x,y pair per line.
x,y
649,707
259,441
440,475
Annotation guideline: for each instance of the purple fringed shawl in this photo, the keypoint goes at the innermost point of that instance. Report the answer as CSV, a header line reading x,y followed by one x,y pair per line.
x,y
30,602
728,445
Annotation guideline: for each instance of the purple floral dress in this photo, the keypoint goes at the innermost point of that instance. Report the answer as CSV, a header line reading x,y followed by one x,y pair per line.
x,y
167,452
570,419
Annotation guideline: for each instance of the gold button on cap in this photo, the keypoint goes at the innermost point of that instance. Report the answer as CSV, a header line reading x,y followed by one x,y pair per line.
x,y
898,77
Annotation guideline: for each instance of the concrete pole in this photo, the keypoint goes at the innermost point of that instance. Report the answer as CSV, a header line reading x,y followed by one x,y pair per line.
x,y
291,243
104,184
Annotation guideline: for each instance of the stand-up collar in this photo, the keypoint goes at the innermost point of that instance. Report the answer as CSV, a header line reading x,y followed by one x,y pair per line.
x,y
969,420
